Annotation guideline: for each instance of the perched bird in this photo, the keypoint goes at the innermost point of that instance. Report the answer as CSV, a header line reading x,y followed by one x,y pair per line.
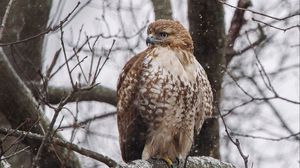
x,y
163,95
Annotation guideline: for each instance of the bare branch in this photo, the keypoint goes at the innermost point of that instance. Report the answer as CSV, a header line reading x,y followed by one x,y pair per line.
x,y
230,53
15,153
54,61
276,112
65,56
193,162
278,28
98,93
48,134
14,93
259,13
92,50
86,121
55,141
236,24
292,136
236,142
98,69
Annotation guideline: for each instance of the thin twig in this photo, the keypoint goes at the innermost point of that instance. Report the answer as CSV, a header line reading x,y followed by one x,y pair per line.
x,y
79,64
230,53
262,70
47,76
106,58
278,28
46,138
276,112
71,57
268,139
16,153
92,50
84,122
54,61
259,13
236,142
98,70
65,56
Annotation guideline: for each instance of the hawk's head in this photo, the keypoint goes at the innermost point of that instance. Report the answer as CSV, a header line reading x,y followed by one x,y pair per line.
x,y
169,33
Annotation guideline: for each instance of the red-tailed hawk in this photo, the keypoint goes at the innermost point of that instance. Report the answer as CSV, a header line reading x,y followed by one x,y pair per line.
x,y
163,96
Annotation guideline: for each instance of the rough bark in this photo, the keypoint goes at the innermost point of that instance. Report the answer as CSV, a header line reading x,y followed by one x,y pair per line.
x,y
192,162
162,9
206,20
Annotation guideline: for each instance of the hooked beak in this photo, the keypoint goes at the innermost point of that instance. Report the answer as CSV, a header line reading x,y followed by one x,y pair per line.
x,y
150,40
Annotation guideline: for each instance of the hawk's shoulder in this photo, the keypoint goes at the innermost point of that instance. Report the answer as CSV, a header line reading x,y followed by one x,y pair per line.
x,y
133,66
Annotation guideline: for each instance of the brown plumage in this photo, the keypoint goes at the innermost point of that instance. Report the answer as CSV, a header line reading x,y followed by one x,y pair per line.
x,y
163,96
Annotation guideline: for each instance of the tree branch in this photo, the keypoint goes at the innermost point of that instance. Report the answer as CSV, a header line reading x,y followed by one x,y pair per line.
x,y
236,142
259,13
18,105
192,162
278,28
98,93
237,23
292,137
55,141
230,53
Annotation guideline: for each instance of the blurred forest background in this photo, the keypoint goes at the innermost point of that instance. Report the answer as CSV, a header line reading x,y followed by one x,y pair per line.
x,y
60,61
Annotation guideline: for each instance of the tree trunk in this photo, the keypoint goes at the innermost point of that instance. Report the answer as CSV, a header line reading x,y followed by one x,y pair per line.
x,y
20,64
207,28
162,9
26,18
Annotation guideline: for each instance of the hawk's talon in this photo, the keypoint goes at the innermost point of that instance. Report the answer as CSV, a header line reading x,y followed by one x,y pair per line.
x,y
168,161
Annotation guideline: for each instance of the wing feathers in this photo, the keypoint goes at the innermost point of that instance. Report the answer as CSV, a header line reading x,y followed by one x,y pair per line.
x,y
132,129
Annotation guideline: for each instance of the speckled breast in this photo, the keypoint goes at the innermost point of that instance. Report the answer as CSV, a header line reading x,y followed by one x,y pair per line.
x,y
167,97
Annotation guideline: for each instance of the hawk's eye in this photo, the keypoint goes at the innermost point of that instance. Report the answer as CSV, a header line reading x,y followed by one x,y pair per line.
x,y
163,34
